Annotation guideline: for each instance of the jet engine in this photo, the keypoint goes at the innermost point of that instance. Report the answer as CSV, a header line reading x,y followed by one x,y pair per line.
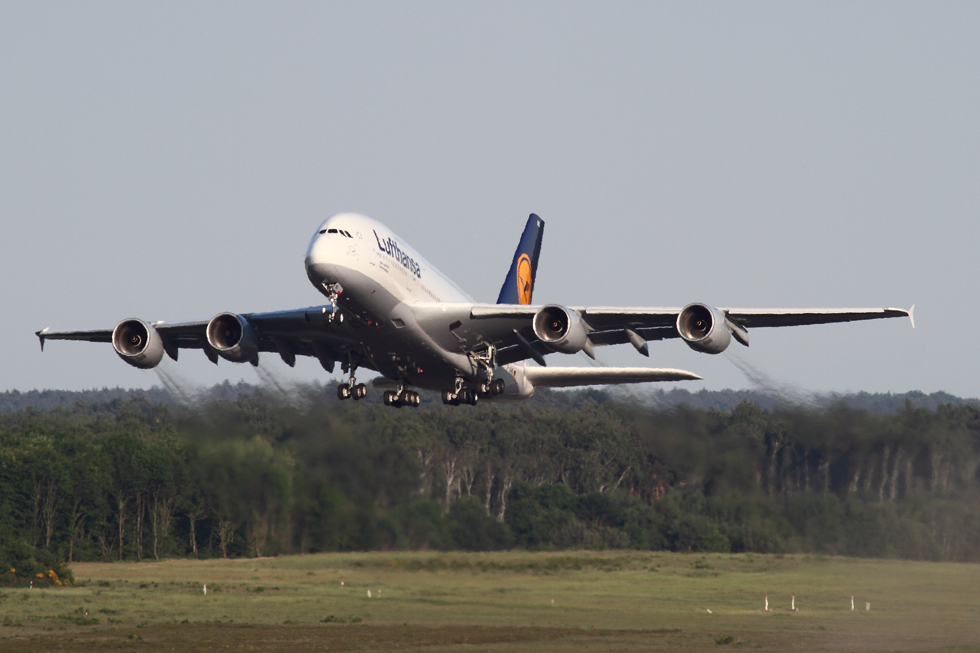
x,y
233,337
703,328
560,329
138,343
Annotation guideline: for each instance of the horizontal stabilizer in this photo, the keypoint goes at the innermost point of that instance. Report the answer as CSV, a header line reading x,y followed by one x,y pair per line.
x,y
566,377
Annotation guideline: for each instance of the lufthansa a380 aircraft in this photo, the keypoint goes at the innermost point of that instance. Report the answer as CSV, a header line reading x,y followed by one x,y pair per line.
x,y
390,311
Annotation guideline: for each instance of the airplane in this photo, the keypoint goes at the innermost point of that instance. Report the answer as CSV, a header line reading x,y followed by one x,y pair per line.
x,y
391,311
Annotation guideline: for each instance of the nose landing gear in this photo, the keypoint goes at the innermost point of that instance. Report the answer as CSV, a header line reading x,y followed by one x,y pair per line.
x,y
334,291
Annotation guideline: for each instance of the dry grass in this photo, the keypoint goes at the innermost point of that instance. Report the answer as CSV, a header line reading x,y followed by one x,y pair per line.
x,y
613,601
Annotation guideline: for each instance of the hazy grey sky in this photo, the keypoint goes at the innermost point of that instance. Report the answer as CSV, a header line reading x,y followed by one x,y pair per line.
x,y
171,160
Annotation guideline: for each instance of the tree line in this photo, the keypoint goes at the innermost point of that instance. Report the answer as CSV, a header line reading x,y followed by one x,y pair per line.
x,y
262,473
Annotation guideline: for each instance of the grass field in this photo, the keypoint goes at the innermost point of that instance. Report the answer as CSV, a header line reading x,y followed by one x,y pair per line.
x,y
608,601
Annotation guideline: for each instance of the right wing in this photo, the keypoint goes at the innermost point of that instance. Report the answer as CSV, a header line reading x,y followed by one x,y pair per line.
x,y
299,332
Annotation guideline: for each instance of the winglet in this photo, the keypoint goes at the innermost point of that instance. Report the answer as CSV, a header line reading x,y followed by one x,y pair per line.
x,y
912,315
41,335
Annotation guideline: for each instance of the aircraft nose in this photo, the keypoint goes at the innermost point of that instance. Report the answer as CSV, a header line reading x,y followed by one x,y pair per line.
x,y
321,259
318,251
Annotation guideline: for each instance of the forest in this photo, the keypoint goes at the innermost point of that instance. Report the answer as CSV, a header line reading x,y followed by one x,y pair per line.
x,y
260,472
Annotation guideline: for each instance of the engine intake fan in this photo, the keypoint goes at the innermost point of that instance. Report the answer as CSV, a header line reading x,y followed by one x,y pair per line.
x,y
704,328
233,337
561,329
138,343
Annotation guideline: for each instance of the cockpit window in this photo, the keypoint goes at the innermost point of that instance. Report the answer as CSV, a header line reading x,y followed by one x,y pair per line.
x,y
330,231
323,231
347,233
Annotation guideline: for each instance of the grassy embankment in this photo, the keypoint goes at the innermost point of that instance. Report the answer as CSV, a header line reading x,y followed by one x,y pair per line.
x,y
514,601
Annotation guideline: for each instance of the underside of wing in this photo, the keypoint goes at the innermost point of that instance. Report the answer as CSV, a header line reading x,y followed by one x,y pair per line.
x,y
97,335
516,338
301,332
566,377
513,329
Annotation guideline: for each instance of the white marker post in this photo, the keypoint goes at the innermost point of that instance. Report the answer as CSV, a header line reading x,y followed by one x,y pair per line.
x,y
369,593
792,604
867,606
205,590
852,601
767,601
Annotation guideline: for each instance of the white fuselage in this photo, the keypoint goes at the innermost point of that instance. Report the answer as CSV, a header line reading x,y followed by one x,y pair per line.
x,y
383,278
348,246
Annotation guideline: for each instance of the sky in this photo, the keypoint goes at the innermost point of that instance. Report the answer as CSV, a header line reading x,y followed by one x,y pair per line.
x,y
171,160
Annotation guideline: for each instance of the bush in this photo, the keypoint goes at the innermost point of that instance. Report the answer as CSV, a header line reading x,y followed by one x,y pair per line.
x,y
472,529
21,566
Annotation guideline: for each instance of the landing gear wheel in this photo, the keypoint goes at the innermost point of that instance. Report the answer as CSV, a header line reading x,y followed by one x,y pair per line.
x,y
497,387
388,398
360,391
447,397
416,399
343,392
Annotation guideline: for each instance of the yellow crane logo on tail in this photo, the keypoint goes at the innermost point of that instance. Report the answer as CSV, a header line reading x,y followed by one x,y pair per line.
x,y
524,279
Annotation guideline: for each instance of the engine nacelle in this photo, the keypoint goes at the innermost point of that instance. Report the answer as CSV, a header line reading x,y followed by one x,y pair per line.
x,y
138,343
703,328
233,337
560,329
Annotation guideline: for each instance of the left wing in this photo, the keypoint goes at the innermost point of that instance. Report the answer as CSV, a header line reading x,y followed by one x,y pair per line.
x,y
509,327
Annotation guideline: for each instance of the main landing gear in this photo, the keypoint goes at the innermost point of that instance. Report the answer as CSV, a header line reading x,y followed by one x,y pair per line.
x,y
469,396
352,389
406,398
402,397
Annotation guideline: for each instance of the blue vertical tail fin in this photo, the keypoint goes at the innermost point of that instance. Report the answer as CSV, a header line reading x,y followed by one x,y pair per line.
x,y
519,284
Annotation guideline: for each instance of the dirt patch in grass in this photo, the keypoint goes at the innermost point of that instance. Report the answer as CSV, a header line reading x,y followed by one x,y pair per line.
x,y
209,637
